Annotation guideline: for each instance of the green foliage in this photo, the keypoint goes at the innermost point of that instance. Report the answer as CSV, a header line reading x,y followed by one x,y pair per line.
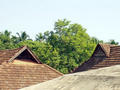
x,y
96,41
5,40
67,46
64,48
39,37
5,36
113,42
20,37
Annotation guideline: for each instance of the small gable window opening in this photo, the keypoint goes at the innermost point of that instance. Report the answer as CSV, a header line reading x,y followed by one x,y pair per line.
x,y
25,69
26,56
99,52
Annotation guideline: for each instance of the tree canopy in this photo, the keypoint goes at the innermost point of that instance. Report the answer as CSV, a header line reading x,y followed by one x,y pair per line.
x,y
64,48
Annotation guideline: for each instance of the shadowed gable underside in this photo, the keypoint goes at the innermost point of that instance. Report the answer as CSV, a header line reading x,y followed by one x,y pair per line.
x,y
20,53
21,68
104,55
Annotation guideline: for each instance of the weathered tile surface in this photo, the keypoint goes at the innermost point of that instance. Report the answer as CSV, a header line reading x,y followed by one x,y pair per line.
x,y
104,55
22,71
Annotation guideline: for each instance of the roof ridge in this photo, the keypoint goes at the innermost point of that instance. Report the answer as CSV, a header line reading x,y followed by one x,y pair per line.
x,y
108,44
15,54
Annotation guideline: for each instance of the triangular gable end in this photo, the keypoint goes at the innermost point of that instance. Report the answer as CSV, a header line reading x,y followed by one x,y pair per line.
x,y
23,50
101,50
106,49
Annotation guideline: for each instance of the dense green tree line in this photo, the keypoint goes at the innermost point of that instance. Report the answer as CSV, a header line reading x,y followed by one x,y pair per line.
x,y
64,48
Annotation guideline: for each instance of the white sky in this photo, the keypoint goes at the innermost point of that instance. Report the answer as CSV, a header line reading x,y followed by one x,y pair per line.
x,y
101,18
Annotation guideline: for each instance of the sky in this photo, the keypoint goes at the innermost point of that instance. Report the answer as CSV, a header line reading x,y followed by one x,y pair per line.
x,y
101,18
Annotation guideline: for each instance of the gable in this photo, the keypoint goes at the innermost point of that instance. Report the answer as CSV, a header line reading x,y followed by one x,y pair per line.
x,y
99,52
102,50
25,53
23,69
10,54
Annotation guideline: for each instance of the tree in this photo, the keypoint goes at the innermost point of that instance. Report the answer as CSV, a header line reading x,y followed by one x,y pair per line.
x,y
39,37
71,44
64,48
113,42
5,40
5,36
20,37
96,41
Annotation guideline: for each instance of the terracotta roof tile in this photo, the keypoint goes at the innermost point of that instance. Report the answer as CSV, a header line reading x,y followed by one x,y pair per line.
x,y
14,76
106,48
22,72
99,60
5,55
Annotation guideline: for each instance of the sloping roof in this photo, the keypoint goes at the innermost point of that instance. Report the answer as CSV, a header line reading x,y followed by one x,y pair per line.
x,y
16,73
9,55
100,79
106,48
104,55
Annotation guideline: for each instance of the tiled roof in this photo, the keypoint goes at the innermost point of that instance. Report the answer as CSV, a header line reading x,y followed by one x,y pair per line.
x,y
5,55
16,73
113,59
10,54
101,79
106,48
109,55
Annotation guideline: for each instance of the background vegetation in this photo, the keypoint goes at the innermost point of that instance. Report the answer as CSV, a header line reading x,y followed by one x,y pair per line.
x,y
64,48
